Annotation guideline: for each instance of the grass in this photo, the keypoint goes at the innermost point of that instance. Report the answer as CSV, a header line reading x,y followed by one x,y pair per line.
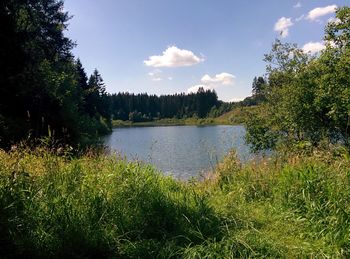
x,y
102,206
237,115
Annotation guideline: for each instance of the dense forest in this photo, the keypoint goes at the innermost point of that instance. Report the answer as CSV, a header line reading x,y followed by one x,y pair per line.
x,y
144,107
44,89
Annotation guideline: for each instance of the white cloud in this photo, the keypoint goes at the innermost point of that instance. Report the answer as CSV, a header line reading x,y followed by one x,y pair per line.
x,y
173,57
212,83
170,78
314,14
297,5
282,26
223,78
157,79
156,75
313,47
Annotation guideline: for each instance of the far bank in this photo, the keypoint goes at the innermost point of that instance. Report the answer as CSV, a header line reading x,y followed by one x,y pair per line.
x,y
236,116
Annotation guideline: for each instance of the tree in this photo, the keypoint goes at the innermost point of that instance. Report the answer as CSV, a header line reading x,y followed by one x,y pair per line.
x,y
34,56
97,100
81,76
338,31
42,87
308,97
258,86
164,106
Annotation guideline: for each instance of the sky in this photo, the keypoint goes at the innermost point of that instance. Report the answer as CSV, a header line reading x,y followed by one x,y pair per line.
x,y
166,47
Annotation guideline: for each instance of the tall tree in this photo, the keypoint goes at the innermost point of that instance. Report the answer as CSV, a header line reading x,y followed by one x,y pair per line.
x,y
258,86
34,52
42,88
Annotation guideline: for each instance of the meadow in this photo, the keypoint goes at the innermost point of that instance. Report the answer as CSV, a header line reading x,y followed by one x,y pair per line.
x,y
54,205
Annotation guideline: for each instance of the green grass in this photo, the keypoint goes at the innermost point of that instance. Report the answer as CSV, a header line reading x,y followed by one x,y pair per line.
x,y
237,115
101,206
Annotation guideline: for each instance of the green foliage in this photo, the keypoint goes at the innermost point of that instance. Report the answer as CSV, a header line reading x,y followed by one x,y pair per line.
x,y
307,97
97,206
338,31
42,88
258,90
220,109
258,85
259,133
144,107
321,196
299,202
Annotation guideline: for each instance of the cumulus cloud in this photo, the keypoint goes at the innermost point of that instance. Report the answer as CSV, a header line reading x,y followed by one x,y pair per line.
x,y
318,12
211,83
173,57
313,47
282,26
223,78
297,5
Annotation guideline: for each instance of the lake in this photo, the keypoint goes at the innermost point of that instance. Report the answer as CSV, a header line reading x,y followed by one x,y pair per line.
x,y
180,151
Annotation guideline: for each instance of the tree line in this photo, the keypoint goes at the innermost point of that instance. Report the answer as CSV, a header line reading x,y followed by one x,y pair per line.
x,y
144,107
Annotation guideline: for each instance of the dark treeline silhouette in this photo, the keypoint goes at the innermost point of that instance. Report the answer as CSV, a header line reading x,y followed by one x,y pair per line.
x,y
43,89
144,107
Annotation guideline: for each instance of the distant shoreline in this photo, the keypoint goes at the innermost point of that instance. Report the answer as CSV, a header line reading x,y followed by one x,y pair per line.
x,y
171,122
235,117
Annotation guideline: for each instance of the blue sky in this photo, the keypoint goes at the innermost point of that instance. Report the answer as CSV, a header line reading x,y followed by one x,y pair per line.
x,y
166,47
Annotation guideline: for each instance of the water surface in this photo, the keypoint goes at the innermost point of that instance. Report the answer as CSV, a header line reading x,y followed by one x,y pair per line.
x,y
180,151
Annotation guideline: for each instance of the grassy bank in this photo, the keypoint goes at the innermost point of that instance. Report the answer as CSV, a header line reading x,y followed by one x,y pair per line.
x,y
98,205
238,115
234,117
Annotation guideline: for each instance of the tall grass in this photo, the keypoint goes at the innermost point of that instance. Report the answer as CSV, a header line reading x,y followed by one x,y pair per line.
x,y
102,206
299,202
97,205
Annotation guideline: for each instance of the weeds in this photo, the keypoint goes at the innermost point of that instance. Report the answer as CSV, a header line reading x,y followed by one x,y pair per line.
x,y
55,205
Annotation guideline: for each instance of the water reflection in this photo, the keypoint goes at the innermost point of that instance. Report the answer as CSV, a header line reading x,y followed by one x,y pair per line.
x,y
181,151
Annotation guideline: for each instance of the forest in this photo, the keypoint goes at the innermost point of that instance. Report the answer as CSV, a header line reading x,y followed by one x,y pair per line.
x,y
144,107
44,89
62,196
